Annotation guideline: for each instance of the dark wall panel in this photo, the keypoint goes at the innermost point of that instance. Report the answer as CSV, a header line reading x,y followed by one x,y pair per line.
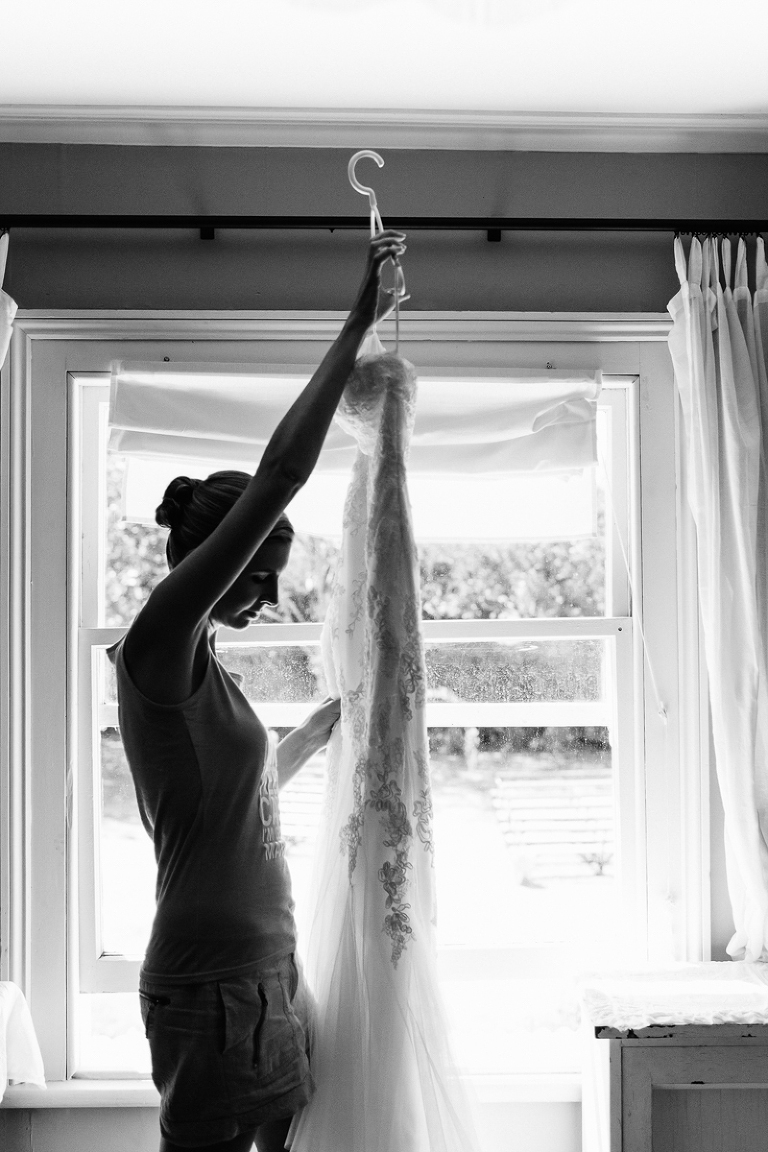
x,y
526,271
539,272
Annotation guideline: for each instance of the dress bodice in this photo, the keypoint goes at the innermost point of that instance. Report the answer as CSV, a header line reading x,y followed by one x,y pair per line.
x,y
378,384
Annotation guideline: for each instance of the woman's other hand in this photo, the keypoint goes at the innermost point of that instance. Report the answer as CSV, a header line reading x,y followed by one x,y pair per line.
x,y
373,302
303,742
321,722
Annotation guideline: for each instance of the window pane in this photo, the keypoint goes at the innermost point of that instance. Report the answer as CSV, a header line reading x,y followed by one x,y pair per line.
x,y
545,572
286,673
127,863
471,581
525,861
525,873
460,580
110,1033
134,555
526,868
127,859
536,804
515,671
537,807
109,1029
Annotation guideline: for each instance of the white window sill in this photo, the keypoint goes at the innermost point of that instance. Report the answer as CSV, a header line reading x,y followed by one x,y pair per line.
x,y
83,1094
561,1086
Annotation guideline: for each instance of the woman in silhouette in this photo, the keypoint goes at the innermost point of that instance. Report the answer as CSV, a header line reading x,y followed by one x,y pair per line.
x,y
223,1003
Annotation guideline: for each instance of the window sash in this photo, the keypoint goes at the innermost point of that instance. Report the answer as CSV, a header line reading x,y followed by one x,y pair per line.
x,y
104,972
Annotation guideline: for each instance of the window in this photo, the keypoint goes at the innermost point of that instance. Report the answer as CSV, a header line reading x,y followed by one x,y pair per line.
x,y
542,707
529,652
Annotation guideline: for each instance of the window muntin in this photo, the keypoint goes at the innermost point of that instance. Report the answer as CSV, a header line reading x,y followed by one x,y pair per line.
x,y
482,627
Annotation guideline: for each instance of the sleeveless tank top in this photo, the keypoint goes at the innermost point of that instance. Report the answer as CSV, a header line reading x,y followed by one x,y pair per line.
x,y
205,775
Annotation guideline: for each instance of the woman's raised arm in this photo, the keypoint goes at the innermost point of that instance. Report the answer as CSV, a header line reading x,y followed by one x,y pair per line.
x,y
186,596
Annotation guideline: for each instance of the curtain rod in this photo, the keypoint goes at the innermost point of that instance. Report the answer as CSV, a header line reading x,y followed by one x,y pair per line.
x,y
492,225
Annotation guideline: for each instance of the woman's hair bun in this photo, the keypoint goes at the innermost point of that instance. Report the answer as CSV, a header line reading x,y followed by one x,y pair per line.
x,y
179,492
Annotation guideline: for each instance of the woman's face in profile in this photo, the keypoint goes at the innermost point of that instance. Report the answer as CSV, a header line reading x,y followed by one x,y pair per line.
x,y
255,587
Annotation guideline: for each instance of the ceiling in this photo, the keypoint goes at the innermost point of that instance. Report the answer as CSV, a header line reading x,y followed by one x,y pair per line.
x,y
489,56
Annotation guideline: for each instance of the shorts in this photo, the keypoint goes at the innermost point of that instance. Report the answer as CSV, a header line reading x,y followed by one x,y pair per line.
x,y
228,1055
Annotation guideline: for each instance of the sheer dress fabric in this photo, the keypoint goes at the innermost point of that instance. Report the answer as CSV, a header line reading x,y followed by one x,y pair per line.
x,y
380,1058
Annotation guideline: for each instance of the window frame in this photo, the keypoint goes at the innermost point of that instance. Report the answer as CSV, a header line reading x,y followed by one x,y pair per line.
x,y
38,880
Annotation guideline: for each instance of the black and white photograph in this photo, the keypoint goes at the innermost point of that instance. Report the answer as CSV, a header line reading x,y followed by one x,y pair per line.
x,y
384,576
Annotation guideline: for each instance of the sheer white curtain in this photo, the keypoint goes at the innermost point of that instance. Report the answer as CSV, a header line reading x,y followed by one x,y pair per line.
x,y
7,305
719,346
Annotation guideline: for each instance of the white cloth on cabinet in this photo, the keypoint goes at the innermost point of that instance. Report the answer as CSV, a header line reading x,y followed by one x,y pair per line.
x,y
381,1060
20,1058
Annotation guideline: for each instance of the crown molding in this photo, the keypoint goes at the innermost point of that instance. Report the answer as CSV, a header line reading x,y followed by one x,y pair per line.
x,y
382,127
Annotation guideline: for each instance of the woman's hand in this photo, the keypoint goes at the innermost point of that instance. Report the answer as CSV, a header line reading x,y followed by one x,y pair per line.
x,y
373,302
321,722
303,742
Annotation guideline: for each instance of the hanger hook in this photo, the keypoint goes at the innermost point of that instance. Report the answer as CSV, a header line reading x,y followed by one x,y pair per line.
x,y
365,191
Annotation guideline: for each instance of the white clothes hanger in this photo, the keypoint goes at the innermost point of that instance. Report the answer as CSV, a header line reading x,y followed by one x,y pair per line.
x,y
364,190
398,291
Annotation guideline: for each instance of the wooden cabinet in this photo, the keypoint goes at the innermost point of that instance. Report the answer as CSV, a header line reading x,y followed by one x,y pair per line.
x,y
687,1088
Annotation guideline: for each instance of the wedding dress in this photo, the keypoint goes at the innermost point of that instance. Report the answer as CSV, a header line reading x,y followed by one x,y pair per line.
x,y
380,1056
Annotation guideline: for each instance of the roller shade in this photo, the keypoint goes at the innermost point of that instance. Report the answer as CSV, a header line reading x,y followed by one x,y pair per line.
x,y
490,458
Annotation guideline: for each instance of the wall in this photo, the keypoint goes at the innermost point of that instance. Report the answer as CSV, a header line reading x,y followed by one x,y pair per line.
x,y
79,1130
569,271
541,1127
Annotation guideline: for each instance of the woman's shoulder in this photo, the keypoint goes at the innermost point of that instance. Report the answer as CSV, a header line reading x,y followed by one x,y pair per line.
x,y
166,668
